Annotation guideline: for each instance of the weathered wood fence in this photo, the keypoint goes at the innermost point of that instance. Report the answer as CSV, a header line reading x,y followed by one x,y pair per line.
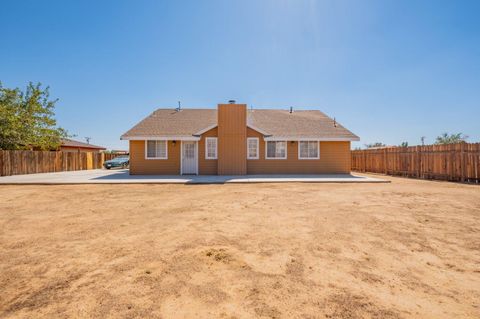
x,y
452,162
31,162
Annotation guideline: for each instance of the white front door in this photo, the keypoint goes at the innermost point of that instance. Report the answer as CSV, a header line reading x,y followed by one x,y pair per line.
x,y
189,157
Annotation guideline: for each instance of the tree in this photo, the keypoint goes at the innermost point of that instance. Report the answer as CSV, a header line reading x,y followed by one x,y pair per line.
x,y
27,119
423,140
376,144
403,144
446,138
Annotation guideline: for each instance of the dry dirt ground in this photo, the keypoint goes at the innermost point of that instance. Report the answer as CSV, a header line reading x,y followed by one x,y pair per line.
x,y
409,249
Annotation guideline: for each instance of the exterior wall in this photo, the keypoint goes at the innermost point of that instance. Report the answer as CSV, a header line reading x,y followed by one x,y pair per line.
x,y
141,166
207,166
334,158
232,139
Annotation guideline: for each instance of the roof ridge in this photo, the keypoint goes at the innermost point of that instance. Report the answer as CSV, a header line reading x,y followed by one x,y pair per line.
x,y
285,110
248,109
184,108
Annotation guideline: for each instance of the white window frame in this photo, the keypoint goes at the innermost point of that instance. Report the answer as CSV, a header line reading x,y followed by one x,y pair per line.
x,y
308,158
275,158
248,148
206,148
156,158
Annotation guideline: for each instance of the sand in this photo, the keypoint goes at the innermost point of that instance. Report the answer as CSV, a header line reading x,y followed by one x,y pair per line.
x,y
408,249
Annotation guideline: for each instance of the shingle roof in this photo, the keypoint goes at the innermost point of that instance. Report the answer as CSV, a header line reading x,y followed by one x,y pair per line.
x,y
169,122
272,123
72,143
298,124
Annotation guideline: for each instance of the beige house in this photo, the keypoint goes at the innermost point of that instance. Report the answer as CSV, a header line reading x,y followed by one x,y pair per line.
x,y
232,140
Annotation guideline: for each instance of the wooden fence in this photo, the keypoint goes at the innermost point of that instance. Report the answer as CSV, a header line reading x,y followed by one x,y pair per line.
x,y
31,162
452,162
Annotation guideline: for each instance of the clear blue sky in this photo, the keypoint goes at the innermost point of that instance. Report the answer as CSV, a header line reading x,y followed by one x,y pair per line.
x,y
390,71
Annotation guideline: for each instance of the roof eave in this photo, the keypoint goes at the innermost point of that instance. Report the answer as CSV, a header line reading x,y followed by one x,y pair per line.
x,y
312,138
160,138
208,128
258,129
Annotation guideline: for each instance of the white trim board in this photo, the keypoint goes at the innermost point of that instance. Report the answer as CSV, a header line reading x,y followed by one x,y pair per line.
x,y
208,128
270,138
163,138
258,130
302,139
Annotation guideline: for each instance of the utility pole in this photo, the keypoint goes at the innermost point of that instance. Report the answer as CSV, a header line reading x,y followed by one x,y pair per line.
x,y
423,140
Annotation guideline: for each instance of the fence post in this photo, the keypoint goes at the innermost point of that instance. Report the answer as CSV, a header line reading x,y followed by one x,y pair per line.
x,y
1,163
418,153
462,162
385,161
364,153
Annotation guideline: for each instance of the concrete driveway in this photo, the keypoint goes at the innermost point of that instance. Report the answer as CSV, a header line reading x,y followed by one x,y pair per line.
x,y
122,176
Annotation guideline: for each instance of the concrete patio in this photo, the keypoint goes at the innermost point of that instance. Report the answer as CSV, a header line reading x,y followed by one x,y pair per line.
x,y
101,176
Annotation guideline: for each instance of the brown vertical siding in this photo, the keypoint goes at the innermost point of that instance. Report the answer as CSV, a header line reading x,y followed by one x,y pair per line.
x,y
232,132
141,166
334,158
206,166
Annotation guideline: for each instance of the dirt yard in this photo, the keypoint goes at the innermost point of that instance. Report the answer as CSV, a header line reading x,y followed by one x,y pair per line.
x,y
409,249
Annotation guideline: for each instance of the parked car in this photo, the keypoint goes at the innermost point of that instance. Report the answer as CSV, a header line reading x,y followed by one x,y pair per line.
x,y
121,161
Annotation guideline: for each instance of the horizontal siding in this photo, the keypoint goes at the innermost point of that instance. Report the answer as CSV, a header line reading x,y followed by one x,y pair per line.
x,y
206,166
334,158
141,166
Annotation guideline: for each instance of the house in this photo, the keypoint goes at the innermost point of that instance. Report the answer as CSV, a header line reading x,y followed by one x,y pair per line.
x,y
68,145
232,140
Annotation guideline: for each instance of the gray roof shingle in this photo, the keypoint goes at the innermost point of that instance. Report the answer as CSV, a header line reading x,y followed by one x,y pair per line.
x,y
169,122
298,124
273,123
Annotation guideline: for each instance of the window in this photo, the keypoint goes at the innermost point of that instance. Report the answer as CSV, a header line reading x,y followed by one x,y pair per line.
x,y
308,150
156,150
211,148
276,150
252,148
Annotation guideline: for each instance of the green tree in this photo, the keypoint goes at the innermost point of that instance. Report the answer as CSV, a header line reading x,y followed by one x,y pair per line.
x,y
27,119
446,138
403,144
376,144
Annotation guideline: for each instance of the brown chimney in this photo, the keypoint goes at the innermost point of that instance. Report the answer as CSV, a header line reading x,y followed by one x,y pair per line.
x,y
232,139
